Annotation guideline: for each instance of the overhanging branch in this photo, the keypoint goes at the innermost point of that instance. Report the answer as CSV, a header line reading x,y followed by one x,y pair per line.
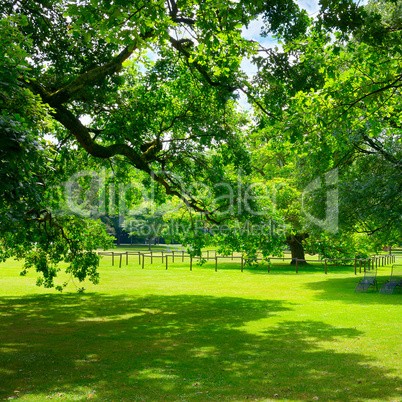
x,y
82,134
178,45
90,77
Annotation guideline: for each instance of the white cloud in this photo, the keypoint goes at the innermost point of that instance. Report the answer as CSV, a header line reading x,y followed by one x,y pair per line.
x,y
248,67
243,103
311,6
253,31
152,55
86,120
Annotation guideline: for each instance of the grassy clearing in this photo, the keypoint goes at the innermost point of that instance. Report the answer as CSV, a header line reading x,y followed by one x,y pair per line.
x,y
156,335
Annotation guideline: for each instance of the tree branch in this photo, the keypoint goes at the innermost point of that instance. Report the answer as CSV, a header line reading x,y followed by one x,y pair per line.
x,y
81,133
384,88
267,112
173,11
386,155
90,77
178,45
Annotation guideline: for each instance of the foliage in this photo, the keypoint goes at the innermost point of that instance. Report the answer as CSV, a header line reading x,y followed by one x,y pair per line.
x,y
151,87
335,107
353,123
28,229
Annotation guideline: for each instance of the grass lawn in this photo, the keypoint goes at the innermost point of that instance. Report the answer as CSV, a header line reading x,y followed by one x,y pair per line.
x,y
156,335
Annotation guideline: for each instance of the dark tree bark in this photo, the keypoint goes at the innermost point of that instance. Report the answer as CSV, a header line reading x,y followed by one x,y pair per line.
x,y
295,243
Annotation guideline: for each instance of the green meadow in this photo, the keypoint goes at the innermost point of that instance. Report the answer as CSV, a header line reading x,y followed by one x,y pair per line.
x,y
178,335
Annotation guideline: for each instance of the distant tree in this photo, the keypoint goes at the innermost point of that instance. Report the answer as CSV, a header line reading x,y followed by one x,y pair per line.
x,y
148,222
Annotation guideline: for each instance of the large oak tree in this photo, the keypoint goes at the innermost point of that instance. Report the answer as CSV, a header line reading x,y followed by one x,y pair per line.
x,y
81,72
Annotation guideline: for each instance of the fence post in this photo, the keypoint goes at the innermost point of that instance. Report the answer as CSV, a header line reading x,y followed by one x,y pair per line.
x,y
126,257
242,263
167,261
121,257
152,257
112,258
325,266
162,257
365,264
207,254
360,266
216,264
143,260
139,258
172,255
191,263
355,267
297,271
182,255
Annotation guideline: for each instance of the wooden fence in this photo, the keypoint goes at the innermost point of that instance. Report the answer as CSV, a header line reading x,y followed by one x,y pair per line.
x,y
358,263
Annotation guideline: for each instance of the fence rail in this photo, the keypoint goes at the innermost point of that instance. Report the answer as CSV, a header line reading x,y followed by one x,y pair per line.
x,y
358,263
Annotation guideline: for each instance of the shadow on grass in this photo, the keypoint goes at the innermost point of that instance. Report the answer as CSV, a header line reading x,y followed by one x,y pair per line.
x,y
333,288
175,348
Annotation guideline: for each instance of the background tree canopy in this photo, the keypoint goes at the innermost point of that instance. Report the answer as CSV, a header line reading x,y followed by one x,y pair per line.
x,y
81,73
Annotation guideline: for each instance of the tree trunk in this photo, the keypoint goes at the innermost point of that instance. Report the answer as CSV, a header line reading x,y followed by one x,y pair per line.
x,y
150,243
295,243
